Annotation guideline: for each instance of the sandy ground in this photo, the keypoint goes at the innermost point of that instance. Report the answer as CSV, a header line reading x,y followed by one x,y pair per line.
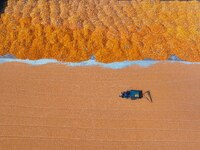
x,y
55,107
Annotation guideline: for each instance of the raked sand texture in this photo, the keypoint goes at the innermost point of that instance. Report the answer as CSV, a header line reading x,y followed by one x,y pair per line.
x,y
74,30
55,107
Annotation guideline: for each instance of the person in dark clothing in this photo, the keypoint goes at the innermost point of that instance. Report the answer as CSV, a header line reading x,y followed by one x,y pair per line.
x,y
3,4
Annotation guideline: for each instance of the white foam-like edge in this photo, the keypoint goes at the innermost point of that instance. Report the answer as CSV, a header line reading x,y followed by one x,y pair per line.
x,y
114,65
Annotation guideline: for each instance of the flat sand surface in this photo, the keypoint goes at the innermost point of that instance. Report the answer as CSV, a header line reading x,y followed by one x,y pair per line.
x,y
55,107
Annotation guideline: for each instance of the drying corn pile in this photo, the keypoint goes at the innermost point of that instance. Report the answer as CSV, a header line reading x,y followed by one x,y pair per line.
x,y
74,30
